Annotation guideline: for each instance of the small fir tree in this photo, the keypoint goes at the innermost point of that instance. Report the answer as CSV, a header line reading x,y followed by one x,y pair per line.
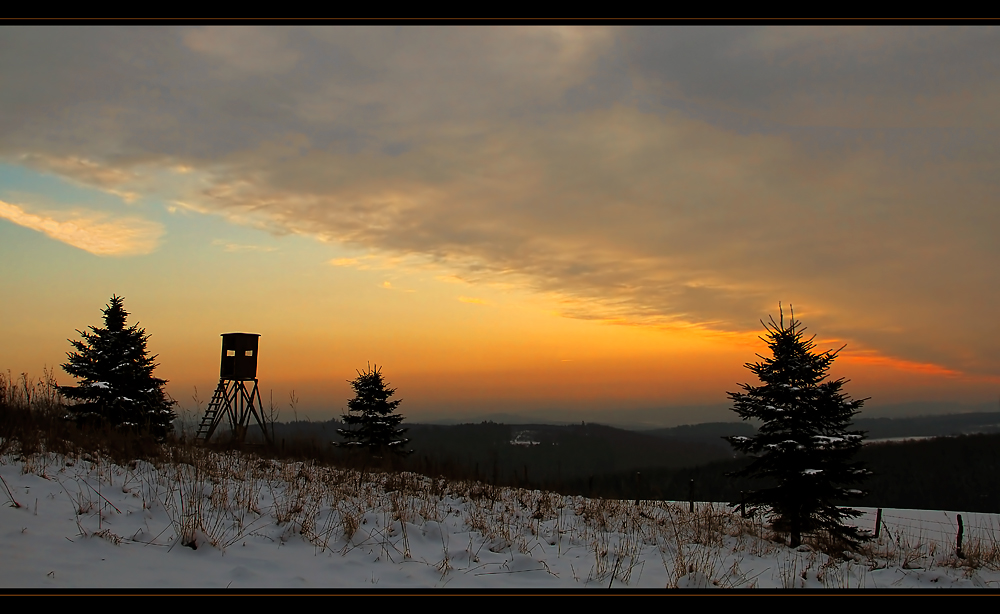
x,y
371,417
803,449
116,383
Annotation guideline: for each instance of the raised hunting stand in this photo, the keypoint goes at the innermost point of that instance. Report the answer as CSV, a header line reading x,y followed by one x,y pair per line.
x,y
231,398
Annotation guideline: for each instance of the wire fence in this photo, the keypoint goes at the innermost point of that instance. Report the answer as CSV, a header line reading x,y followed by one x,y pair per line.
x,y
911,527
920,526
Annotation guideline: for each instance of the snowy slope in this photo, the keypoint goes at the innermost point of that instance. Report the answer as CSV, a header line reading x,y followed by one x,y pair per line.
x,y
84,522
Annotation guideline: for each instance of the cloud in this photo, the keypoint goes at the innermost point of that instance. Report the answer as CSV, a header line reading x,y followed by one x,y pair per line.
x,y
90,231
85,172
236,247
872,358
883,78
645,176
249,49
345,262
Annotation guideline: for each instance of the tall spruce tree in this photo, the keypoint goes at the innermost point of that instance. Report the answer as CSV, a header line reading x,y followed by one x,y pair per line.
x,y
371,417
115,373
803,449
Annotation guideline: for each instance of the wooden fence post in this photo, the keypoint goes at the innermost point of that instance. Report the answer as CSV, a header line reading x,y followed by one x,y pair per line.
x,y
691,495
878,522
961,529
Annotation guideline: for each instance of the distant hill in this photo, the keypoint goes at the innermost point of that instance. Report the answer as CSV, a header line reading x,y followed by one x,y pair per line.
x,y
490,450
952,464
930,426
709,432
553,453
876,428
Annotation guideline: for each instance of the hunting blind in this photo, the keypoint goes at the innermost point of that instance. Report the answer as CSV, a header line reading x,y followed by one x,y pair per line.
x,y
232,398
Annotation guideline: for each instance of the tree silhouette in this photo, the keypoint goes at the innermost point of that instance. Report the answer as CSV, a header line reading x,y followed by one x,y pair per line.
x,y
803,449
372,418
116,384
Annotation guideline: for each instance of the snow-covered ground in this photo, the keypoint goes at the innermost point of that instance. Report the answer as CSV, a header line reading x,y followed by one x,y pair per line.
x,y
84,522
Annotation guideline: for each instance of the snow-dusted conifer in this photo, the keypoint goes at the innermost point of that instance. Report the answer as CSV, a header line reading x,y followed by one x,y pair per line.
x,y
371,417
803,449
116,383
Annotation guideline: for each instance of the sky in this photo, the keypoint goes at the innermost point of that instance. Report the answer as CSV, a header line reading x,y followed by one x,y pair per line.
x,y
559,222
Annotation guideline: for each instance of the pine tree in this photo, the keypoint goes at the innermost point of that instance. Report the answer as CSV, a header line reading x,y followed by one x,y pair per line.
x,y
803,449
373,416
116,383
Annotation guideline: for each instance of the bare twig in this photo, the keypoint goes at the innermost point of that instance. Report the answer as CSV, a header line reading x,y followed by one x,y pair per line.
x,y
9,494
101,496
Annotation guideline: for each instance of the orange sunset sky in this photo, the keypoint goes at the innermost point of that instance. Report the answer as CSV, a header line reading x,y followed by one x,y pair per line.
x,y
562,223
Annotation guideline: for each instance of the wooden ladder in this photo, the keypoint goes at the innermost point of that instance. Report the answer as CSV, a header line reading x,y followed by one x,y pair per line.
x,y
206,428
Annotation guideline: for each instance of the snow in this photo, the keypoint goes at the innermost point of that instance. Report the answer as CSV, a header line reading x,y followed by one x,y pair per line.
x,y
524,438
84,522
824,440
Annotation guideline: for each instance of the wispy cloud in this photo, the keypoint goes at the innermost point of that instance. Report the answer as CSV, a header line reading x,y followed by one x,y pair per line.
x,y
90,231
237,247
86,172
345,262
873,358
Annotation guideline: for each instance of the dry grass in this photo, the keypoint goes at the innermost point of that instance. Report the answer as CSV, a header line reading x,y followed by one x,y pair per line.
x,y
221,497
